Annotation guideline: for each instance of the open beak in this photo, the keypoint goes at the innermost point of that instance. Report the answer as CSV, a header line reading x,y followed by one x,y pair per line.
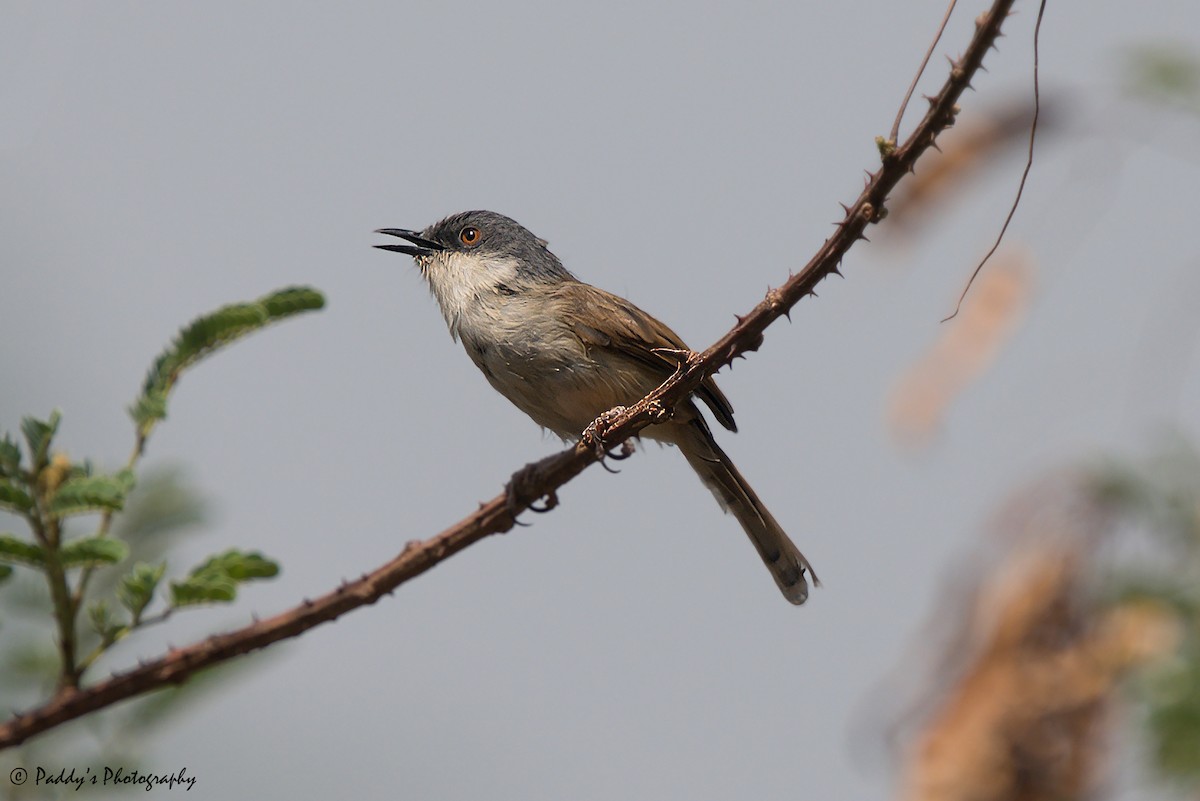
x,y
420,245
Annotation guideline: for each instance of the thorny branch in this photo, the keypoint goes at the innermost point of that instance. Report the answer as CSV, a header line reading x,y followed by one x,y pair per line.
x,y
542,478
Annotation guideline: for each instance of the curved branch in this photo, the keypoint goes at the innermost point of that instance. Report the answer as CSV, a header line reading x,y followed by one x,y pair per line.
x,y
544,477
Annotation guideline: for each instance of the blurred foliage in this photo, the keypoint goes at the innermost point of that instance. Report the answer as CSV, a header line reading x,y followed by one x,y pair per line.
x,y
1091,604
66,596
1164,73
1162,501
161,512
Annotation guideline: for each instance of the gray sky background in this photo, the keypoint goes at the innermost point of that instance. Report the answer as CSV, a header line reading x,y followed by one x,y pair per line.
x,y
160,159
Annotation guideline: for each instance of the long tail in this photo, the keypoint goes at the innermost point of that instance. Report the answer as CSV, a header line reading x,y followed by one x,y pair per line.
x,y
778,552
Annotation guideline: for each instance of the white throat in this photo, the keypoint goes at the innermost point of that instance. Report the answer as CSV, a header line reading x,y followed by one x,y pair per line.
x,y
464,284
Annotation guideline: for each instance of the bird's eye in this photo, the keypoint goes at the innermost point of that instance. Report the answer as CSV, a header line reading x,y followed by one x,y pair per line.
x,y
469,235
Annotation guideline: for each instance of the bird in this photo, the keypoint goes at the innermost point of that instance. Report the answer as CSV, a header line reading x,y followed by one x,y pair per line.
x,y
565,352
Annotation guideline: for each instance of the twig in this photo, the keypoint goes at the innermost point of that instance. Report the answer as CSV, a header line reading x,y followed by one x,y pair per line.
x,y
1037,107
499,514
912,87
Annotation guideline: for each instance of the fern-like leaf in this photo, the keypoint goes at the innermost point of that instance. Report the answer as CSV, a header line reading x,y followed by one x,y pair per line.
x,y
92,552
18,551
92,494
216,580
207,334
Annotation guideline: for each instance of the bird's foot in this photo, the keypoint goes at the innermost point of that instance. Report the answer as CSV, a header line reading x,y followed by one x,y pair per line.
x,y
593,436
523,491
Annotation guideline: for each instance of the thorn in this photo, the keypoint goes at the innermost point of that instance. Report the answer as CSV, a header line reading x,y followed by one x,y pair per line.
x,y
308,604
861,236
834,270
845,208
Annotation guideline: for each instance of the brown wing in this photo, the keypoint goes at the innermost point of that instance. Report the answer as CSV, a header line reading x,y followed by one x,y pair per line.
x,y
633,333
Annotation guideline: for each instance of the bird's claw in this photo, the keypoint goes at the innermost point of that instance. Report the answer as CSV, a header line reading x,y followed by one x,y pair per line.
x,y
617,455
541,508
522,493
622,453
593,435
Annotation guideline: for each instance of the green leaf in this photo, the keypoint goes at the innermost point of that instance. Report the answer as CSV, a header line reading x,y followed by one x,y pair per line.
x,y
38,434
149,408
92,551
10,457
103,622
216,580
91,493
18,551
136,590
292,300
209,588
239,566
208,333
13,497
